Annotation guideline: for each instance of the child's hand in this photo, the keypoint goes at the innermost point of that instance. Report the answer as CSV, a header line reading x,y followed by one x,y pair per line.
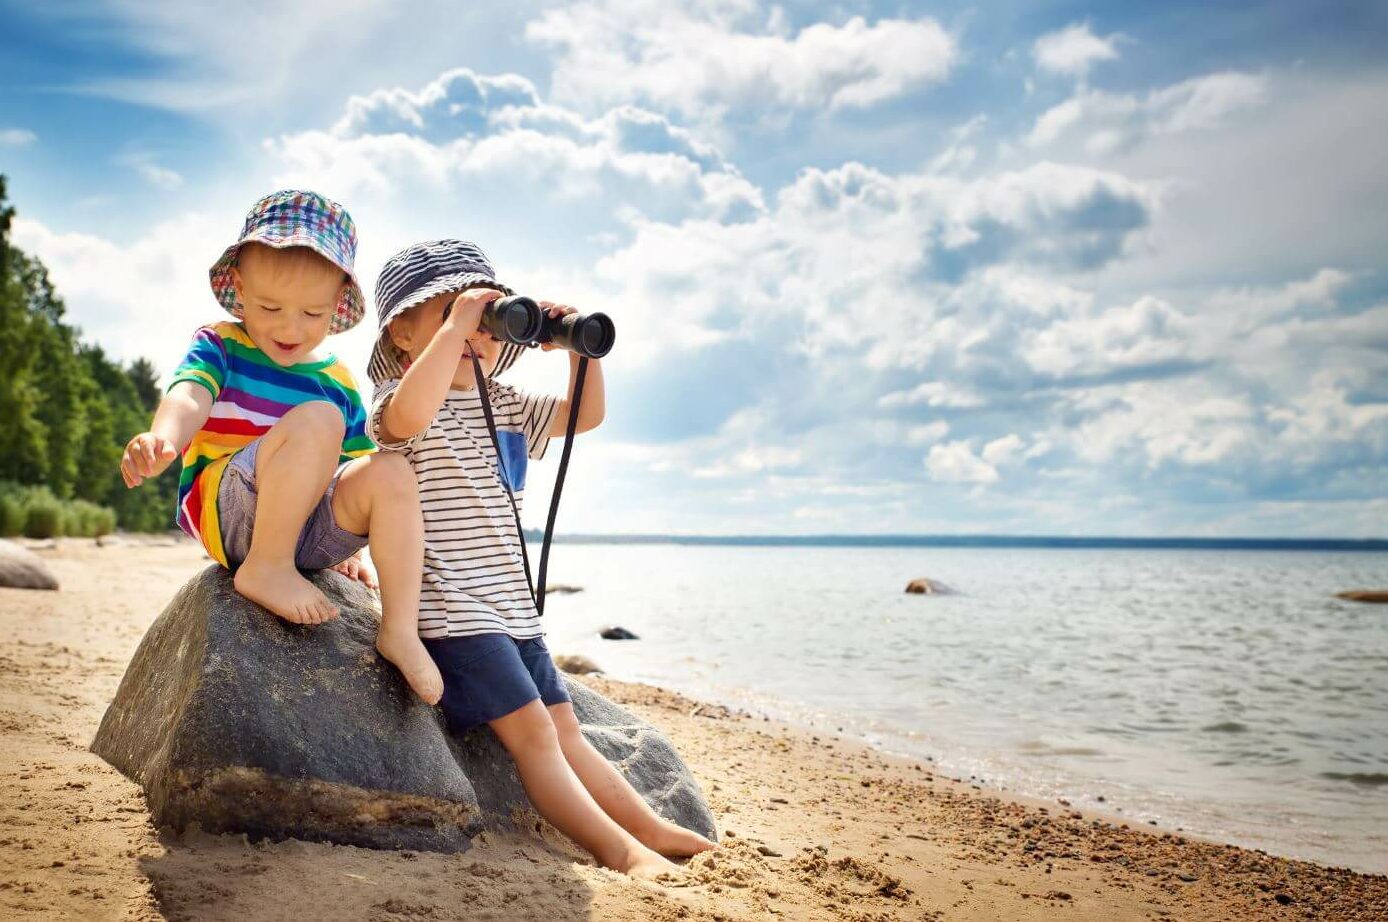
x,y
146,455
356,568
555,310
465,311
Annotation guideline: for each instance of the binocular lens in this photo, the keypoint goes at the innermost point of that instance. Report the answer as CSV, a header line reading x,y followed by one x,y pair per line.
x,y
514,319
593,336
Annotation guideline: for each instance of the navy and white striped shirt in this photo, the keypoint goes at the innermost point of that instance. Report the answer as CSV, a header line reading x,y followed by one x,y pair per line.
x,y
474,577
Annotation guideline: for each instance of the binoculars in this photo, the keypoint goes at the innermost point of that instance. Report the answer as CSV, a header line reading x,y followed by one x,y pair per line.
x,y
518,319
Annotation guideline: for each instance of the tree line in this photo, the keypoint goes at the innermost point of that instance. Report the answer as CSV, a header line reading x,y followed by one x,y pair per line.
x,y
66,412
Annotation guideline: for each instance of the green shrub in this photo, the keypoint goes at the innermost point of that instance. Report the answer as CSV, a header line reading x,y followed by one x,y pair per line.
x,y
105,521
43,515
85,519
11,515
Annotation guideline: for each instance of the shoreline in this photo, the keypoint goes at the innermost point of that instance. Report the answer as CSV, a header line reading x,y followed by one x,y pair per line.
x,y
1072,791
813,825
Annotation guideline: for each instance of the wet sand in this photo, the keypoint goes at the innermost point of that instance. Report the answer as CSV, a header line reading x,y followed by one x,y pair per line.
x,y
813,826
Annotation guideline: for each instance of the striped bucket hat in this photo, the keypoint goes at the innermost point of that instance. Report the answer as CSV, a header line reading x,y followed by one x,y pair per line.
x,y
292,218
413,276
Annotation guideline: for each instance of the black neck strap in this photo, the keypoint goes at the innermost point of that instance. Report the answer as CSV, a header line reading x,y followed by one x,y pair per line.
x,y
537,590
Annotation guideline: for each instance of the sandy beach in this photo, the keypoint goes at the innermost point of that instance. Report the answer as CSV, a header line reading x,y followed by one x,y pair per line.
x,y
812,826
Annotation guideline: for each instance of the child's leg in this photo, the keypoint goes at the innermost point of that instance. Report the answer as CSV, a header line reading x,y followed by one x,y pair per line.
x,y
294,464
617,797
528,733
377,496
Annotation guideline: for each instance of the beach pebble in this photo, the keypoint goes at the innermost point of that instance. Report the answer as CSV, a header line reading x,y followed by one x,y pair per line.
x,y
768,851
574,664
617,633
20,568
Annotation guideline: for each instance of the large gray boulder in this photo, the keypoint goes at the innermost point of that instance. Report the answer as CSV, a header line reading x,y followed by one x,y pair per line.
x,y
21,568
240,722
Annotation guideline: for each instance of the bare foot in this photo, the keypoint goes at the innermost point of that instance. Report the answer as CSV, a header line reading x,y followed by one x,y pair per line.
x,y
674,841
414,662
644,863
284,591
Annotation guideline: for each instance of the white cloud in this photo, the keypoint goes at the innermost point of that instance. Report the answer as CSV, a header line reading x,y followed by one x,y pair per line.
x,y
1148,332
142,299
930,432
955,462
1073,50
928,232
1324,418
492,139
16,137
704,59
157,176
1003,451
932,394
1118,121
1163,422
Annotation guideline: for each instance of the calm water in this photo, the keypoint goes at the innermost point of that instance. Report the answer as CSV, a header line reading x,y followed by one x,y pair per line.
x,y
1225,692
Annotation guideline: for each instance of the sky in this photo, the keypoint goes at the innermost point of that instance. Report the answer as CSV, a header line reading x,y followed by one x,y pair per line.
x,y
876,268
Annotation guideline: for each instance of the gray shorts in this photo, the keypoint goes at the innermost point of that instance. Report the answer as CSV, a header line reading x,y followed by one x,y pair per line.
x,y
322,542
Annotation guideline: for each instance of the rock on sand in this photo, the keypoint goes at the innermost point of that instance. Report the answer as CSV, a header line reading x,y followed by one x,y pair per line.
x,y
232,718
576,664
21,568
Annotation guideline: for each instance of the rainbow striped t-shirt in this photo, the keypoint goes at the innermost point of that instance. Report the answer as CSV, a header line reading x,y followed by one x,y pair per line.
x,y
250,393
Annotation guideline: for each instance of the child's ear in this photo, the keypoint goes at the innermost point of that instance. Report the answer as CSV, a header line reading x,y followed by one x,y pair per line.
x,y
401,331
237,284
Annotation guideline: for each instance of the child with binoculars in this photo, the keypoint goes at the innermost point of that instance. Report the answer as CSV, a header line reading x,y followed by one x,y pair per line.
x,y
467,438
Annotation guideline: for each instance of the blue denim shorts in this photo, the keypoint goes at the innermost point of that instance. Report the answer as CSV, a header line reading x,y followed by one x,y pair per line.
x,y
322,542
487,676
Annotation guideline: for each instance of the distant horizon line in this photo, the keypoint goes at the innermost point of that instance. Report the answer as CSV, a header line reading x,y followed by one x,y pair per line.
x,y
978,540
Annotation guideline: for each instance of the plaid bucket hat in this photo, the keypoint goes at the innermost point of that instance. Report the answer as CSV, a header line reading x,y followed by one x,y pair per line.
x,y
413,276
292,218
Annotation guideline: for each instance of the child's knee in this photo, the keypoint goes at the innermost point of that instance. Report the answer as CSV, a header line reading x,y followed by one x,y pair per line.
x,y
392,476
383,481
316,419
527,732
566,726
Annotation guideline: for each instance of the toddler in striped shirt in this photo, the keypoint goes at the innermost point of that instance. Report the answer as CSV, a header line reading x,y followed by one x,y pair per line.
x,y
258,413
478,616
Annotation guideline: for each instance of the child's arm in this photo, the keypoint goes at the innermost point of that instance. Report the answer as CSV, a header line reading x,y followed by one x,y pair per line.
x,y
593,408
181,413
425,384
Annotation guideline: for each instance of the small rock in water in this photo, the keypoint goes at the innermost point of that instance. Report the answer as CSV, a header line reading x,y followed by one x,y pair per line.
x,y
574,664
1379,596
21,568
617,633
925,586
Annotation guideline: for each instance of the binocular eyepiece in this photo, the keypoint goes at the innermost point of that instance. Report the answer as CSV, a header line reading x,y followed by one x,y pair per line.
x,y
518,319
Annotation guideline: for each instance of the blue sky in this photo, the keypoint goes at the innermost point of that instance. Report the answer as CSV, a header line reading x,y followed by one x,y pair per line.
x,y
1046,268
